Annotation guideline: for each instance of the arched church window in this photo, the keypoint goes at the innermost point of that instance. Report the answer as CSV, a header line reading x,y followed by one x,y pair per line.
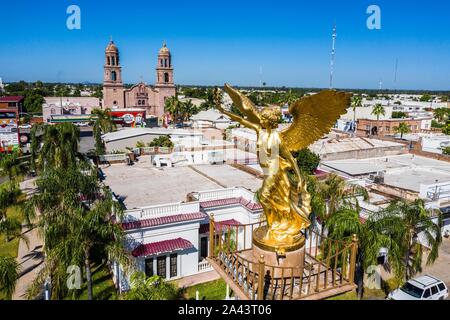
x,y
113,60
114,102
166,77
113,76
52,111
162,65
165,63
109,60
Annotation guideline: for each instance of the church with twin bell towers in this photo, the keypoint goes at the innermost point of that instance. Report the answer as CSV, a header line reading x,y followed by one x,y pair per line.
x,y
141,95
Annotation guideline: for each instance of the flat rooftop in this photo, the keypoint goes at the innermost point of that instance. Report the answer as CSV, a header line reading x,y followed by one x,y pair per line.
x,y
142,184
333,145
404,171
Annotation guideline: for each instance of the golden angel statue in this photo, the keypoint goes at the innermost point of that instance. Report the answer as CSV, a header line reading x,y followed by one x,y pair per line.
x,y
284,196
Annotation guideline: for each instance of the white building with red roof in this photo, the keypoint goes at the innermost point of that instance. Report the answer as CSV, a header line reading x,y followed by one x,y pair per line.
x,y
172,240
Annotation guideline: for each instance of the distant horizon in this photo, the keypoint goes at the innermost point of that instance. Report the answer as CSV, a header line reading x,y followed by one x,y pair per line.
x,y
389,91
282,43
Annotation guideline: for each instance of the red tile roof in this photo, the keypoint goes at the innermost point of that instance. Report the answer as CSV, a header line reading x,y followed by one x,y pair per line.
x,y
152,222
204,228
11,99
159,247
229,201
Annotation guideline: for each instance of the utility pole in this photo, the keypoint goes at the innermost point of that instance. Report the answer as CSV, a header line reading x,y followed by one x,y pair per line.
x,y
333,51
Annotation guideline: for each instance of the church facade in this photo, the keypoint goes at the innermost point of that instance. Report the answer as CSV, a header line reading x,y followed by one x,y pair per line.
x,y
140,96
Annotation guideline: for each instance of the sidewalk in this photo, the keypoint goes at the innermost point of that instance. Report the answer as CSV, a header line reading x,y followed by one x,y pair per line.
x,y
198,278
30,257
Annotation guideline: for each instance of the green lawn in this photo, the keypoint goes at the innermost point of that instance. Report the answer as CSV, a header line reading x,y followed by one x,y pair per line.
x,y
10,248
213,290
370,294
103,286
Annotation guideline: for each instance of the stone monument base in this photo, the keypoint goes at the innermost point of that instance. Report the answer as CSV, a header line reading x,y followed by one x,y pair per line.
x,y
284,266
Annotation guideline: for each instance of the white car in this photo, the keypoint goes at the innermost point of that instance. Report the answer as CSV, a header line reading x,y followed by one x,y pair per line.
x,y
422,288
25,126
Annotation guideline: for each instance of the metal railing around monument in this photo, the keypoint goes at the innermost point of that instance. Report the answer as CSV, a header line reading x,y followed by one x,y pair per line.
x,y
328,264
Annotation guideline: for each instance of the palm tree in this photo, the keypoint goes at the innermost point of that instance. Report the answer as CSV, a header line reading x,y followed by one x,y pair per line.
x,y
103,120
36,134
378,110
102,123
77,218
9,273
404,222
172,106
328,196
96,229
441,114
356,102
345,223
402,129
151,288
9,191
12,165
188,109
60,146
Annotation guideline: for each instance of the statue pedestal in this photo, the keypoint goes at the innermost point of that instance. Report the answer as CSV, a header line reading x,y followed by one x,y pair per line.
x,y
285,266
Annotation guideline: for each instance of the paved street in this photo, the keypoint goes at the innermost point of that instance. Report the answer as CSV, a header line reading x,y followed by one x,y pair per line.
x,y
441,267
30,257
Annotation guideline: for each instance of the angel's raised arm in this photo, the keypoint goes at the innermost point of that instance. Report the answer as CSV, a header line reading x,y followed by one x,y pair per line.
x,y
251,117
239,119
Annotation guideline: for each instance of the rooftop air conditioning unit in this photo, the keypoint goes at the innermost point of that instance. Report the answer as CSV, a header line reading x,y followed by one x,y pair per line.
x,y
378,177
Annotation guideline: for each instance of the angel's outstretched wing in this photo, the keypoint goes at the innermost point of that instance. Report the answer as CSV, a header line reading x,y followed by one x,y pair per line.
x,y
313,117
244,104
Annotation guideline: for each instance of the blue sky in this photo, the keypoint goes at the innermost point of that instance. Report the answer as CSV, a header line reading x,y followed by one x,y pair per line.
x,y
213,42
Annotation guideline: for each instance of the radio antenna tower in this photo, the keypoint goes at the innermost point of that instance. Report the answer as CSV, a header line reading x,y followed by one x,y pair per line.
x,y
333,51
395,74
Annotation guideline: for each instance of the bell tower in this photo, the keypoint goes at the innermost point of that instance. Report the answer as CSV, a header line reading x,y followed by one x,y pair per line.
x,y
164,80
164,69
112,78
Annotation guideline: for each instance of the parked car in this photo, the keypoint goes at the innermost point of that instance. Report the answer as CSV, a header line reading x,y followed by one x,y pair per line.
x,y
25,126
424,287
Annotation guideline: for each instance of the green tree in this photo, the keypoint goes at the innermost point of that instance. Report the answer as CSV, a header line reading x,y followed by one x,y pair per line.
x,y
441,114
399,115
345,223
378,110
102,123
9,273
446,128
151,288
103,120
33,102
329,195
161,141
356,103
446,151
13,166
307,161
60,146
402,128
98,92
425,98
173,107
403,222
77,220
188,109
140,144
